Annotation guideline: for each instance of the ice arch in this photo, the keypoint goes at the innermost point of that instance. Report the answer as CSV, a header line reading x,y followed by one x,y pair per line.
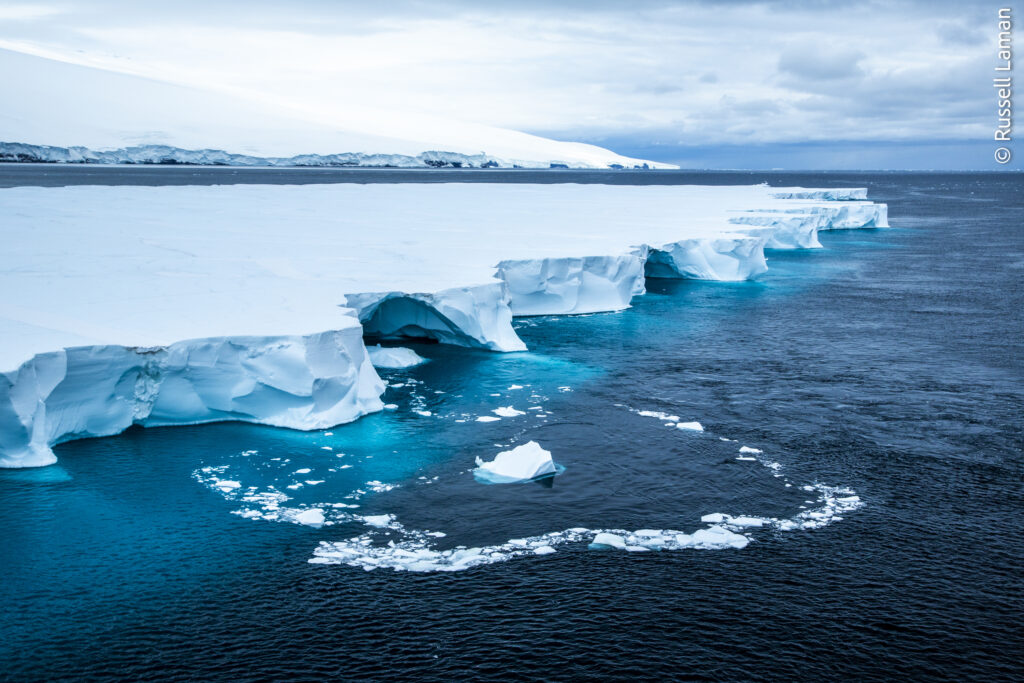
x,y
477,317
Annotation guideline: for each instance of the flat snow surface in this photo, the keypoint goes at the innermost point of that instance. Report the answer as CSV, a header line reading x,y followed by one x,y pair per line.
x,y
143,266
48,102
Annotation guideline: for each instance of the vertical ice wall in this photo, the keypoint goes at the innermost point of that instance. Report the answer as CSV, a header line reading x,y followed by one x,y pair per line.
x,y
319,380
303,382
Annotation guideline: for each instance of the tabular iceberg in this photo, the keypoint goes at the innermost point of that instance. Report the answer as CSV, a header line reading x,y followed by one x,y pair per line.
x,y
304,382
179,305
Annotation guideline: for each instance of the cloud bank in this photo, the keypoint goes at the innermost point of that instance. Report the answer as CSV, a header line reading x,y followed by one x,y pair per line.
x,y
671,77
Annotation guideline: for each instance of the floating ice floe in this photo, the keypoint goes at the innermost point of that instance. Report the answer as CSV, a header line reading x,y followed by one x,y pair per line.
x,y
311,517
670,420
507,411
393,357
378,520
660,415
523,463
388,544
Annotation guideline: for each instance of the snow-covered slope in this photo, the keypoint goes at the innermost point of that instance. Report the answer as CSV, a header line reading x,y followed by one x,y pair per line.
x,y
55,111
172,305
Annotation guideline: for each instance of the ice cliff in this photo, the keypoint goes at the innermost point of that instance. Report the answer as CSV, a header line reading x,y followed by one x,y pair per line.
x,y
180,305
303,382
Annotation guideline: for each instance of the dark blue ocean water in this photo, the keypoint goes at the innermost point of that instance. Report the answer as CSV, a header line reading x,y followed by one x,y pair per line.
x,y
890,362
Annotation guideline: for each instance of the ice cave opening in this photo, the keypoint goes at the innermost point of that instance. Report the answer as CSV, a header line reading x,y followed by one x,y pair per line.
x,y
408,319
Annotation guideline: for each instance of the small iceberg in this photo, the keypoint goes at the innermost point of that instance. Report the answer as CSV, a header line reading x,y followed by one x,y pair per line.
x,y
523,463
393,357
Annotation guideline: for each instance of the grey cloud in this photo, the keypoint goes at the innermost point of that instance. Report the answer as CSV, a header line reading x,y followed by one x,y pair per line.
x,y
818,64
958,34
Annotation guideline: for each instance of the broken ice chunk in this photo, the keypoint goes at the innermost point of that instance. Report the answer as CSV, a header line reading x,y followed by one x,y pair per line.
x,y
719,537
311,517
659,415
378,520
522,463
507,411
393,358
605,540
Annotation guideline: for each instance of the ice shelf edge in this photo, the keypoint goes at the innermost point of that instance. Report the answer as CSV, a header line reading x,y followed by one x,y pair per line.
x,y
320,380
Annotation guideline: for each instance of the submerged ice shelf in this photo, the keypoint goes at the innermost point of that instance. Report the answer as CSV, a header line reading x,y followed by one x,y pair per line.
x,y
180,305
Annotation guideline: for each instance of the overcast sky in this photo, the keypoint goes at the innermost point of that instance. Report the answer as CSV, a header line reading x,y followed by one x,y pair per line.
x,y
814,84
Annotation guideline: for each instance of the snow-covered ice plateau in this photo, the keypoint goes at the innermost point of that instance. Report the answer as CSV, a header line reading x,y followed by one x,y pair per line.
x,y
180,305
127,119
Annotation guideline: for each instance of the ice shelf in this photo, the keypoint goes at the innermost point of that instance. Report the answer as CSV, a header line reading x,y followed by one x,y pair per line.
x,y
178,305
126,119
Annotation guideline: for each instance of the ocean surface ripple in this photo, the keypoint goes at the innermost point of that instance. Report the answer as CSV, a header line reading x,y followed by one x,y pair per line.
x,y
890,363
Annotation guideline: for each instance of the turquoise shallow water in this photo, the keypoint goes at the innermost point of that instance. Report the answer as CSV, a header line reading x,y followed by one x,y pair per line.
x,y
890,362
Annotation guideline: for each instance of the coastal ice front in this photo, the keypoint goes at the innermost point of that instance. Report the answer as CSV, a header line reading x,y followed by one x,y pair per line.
x,y
188,304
